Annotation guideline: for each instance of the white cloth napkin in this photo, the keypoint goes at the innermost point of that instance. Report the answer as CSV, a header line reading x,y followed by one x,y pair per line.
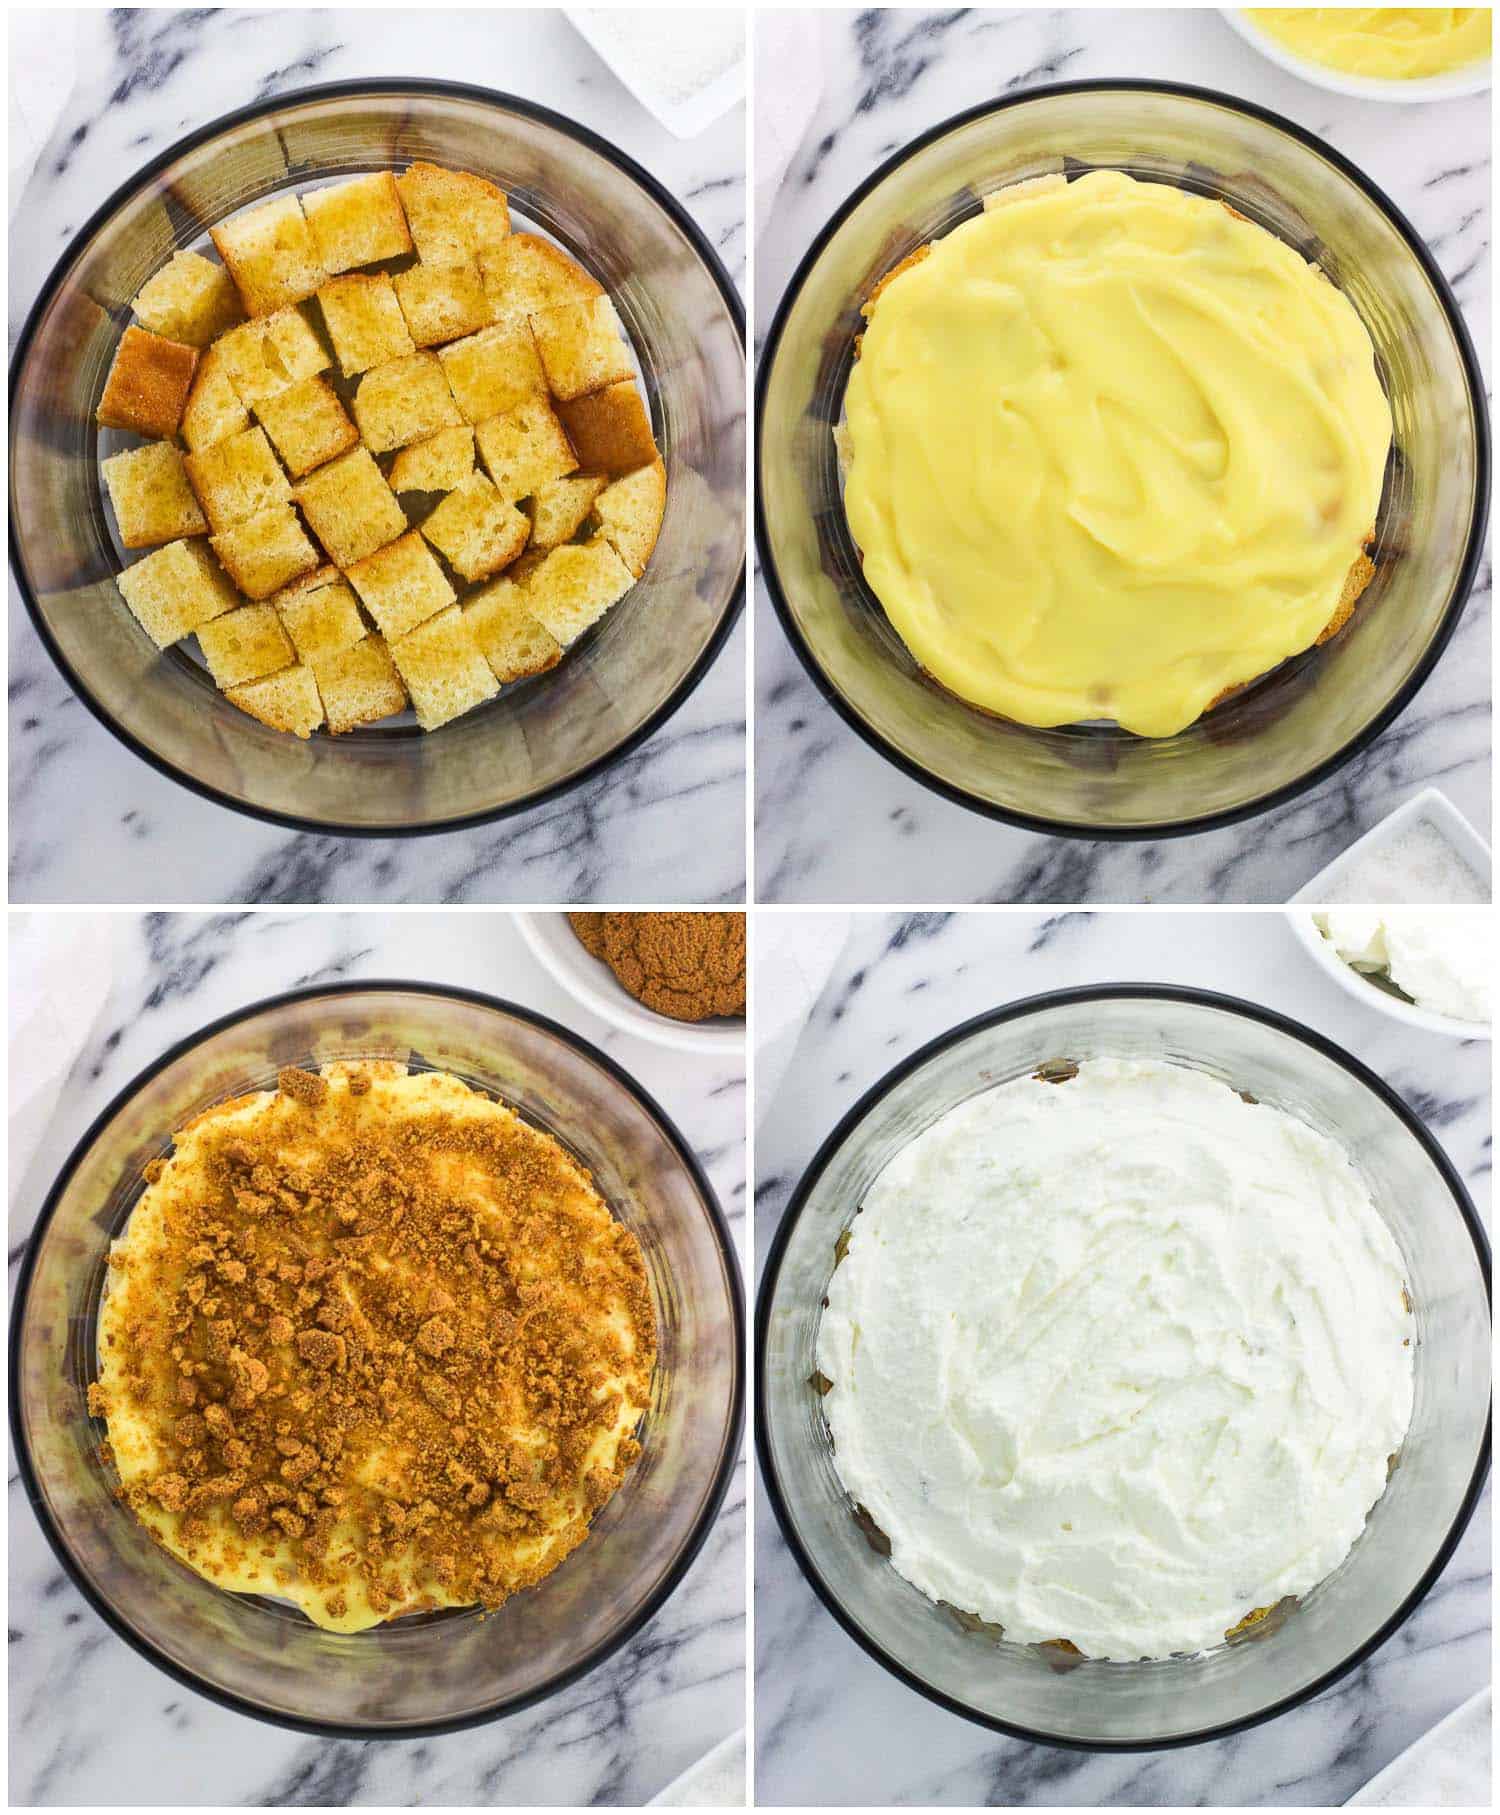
x,y
794,957
788,87
1447,1768
42,65
717,1781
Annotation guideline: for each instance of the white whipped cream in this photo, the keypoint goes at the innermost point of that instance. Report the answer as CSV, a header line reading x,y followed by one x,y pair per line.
x,y
1442,958
1117,1360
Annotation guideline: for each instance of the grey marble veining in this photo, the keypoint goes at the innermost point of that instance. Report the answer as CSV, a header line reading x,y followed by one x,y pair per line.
x,y
832,1726
90,1721
89,822
834,820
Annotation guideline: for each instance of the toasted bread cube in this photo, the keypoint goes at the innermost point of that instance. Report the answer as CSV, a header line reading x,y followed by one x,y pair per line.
x,y
364,322
400,585
444,670
320,614
525,273
350,507
243,645
271,354
148,385
438,464
575,586
359,684
610,430
265,552
630,513
493,371
153,501
403,402
307,425
509,637
271,255
213,411
238,478
582,347
191,300
442,302
175,589
476,529
358,222
453,215
523,448
560,507
286,701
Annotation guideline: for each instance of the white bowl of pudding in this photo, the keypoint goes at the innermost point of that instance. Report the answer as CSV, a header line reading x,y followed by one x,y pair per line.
x,y
1470,76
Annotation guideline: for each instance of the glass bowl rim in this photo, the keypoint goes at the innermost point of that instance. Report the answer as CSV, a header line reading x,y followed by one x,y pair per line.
x,y
713,1500
1021,1009
407,87
1478,517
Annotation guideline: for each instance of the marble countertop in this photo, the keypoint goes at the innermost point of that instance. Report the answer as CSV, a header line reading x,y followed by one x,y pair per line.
x,y
834,820
833,1726
90,1721
89,821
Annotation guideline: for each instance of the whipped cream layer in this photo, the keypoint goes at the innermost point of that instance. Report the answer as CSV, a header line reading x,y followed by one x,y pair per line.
x,y
1442,958
1117,1360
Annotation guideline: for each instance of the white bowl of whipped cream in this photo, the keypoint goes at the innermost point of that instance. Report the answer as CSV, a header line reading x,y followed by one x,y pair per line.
x,y
1428,967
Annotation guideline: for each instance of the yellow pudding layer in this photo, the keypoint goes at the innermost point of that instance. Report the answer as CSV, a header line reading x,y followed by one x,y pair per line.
x,y
1111,451
1390,43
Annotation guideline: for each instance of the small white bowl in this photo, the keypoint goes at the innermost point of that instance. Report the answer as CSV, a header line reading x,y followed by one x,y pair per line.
x,y
1473,79
564,957
1440,813
1376,995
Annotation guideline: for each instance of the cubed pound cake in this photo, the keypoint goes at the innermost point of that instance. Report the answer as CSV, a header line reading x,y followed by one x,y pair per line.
x,y
404,401
286,701
271,255
493,371
574,586
401,585
364,322
359,685
271,354
443,668
175,589
523,448
191,300
630,513
238,478
475,530
358,222
307,425
148,384
244,645
454,215
561,507
442,302
320,614
148,487
509,637
264,553
350,508
439,464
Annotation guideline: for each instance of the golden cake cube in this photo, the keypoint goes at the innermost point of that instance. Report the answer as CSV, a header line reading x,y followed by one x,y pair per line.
x,y
441,302
560,508
153,501
524,447
610,430
509,637
243,645
359,685
214,410
403,402
307,425
148,384
582,347
525,273
320,614
476,530
443,668
493,371
191,300
351,509
630,513
238,478
438,464
175,589
574,587
400,585
357,222
364,321
271,354
263,553
286,701
453,214
271,255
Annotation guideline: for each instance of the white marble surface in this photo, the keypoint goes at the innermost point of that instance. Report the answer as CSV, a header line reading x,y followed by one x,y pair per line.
x,y
90,1721
832,1725
89,822
834,820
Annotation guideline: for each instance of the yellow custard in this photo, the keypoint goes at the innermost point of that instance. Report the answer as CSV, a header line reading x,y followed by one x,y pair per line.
x,y
1111,450
1389,43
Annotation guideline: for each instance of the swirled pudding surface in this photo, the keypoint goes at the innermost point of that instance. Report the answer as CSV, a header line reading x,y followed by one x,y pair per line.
x,y
1112,451
1118,1360
1391,43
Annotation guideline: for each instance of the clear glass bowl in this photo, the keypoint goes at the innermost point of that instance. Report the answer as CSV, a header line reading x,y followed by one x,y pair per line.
x,y
1296,725
1035,1692
428,1673
539,737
